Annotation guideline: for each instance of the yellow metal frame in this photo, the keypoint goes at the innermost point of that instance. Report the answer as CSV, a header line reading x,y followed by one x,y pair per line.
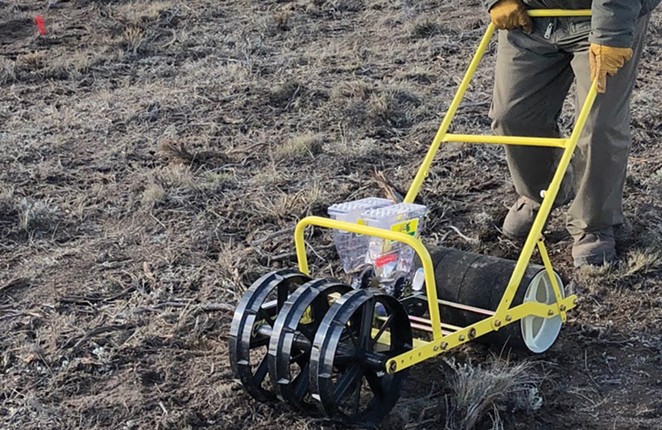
x,y
504,314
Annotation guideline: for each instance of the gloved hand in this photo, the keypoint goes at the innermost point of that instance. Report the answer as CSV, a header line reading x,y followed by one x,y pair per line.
x,y
606,60
511,14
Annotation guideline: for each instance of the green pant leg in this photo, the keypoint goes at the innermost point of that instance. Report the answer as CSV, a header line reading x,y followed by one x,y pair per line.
x,y
601,156
532,78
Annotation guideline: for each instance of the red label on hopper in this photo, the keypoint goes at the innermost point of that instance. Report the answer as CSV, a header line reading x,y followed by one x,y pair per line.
x,y
385,259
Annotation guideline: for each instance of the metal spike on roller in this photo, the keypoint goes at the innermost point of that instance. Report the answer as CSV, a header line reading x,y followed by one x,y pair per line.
x,y
342,350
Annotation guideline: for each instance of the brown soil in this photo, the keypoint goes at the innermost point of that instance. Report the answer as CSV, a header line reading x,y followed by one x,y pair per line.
x,y
155,157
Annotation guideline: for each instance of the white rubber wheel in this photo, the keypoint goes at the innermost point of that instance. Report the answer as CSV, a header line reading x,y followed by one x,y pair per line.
x,y
538,333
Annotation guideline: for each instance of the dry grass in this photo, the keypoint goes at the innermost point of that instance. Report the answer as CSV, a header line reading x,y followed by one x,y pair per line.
x,y
426,28
308,144
464,396
643,262
269,176
154,193
280,205
637,263
137,12
654,181
40,215
489,389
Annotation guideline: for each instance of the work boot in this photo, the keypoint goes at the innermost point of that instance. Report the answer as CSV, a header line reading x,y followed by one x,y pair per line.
x,y
521,215
519,220
594,248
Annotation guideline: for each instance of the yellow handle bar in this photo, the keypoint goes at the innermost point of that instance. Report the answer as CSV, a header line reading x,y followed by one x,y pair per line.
x,y
547,13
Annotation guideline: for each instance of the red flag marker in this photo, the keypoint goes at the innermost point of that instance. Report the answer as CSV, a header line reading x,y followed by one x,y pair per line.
x,y
39,21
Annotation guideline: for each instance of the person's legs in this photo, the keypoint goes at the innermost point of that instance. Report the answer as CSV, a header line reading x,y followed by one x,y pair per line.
x,y
600,159
532,79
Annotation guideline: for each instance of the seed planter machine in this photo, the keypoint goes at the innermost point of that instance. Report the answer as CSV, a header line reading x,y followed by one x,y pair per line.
x,y
329,349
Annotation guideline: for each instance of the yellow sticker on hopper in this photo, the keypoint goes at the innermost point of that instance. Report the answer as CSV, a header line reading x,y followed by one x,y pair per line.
x,y
408,227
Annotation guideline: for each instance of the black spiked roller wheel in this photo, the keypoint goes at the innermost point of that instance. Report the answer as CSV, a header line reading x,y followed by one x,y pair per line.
x,y
360,332
252,326
292,338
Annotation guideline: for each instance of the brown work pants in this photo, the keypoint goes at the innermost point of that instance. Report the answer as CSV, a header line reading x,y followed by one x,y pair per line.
x,y
533,76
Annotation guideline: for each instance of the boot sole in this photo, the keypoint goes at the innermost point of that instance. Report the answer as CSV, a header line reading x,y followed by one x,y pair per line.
x,y
601,259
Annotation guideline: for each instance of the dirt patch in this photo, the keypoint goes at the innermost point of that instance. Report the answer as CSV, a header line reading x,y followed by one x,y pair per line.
x,y
155,157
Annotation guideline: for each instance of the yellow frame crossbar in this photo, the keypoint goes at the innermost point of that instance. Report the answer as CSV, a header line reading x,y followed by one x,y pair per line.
x,y
505,140
504,314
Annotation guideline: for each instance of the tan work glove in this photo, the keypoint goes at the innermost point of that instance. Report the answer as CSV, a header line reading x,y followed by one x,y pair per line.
x,y
511,14
606,60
